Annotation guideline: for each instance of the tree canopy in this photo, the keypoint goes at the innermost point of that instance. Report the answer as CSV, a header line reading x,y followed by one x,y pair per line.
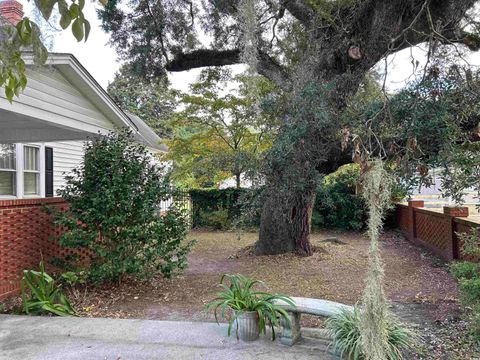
x,y
152,101
218,134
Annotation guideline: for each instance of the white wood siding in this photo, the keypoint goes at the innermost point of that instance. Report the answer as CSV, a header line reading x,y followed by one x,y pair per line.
x,y
49,90
67,155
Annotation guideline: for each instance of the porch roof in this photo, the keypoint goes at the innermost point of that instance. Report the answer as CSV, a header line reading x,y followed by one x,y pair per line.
x,y
26,120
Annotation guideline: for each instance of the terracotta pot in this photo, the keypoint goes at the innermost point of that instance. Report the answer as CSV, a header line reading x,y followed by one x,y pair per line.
x,y
247,323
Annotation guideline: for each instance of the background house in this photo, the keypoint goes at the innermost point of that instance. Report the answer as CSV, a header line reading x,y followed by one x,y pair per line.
x,y
433,198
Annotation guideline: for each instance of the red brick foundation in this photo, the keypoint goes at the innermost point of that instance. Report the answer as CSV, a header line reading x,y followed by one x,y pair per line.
x,y
27,236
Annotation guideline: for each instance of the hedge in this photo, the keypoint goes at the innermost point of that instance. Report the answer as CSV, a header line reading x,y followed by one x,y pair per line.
x,y
215,208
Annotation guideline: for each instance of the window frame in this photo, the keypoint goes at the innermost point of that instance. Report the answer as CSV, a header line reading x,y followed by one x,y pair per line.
x,y
16,177
19,153
38,192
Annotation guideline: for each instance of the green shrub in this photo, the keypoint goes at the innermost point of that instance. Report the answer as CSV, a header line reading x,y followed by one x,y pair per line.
x,y
114,197
465,270
215,208
474,324
345,331
471,242
470,289
216,219
43,295
468,275
337,204
240,296
72,278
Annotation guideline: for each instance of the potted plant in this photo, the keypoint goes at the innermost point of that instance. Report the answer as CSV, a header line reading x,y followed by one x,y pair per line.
x,y
250,310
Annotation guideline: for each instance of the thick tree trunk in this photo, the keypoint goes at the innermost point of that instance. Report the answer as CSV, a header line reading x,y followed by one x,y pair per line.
x,y
308,145
292,179
285,224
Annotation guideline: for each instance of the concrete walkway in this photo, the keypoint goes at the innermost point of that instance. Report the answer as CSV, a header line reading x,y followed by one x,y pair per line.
x,y
28,337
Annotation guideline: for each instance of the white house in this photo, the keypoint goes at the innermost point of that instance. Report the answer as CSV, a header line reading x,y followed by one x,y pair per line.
x,y
42,132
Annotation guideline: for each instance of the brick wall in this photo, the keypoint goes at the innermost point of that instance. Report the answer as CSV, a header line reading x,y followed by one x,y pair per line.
x,y
26,235
434,230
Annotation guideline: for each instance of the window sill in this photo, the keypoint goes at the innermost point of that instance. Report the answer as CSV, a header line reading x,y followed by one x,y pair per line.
x,y
8,197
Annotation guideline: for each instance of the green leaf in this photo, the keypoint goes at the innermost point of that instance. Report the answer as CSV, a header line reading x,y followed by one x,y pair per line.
x,y
46,7
9,93
77,29
74,11
87,28
65,20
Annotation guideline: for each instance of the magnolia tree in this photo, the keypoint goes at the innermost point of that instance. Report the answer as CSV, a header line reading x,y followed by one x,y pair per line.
x,y
316,51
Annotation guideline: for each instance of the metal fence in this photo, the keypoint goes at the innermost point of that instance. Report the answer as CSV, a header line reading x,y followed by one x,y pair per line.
x,y
181,200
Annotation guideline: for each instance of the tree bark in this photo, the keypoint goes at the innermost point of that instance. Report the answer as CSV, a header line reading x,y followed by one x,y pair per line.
x,y
285,224
238,180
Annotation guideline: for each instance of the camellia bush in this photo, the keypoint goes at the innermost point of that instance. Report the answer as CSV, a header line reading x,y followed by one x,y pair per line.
x,y
114,198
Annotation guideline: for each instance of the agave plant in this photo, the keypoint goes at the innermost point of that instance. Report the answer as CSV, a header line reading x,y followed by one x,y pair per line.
x,y
345,331
239,296
45,295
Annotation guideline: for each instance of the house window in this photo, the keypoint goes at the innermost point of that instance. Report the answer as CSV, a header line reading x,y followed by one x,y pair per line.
x,y
31,170
23,171
8,165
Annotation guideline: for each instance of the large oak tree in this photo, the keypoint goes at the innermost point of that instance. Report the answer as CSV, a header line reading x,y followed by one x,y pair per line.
x,y
317,51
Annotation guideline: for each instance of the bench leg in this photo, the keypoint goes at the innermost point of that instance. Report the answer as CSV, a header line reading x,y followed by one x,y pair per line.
x,y
291,332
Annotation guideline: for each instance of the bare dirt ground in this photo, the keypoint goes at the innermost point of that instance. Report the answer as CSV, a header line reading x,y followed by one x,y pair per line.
x,y
335,272
419,286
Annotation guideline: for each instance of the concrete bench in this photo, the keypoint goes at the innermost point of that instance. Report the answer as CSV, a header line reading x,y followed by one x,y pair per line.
x,y
323,308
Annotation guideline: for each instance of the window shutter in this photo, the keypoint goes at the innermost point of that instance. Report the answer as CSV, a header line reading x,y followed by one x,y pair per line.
x,y
48,172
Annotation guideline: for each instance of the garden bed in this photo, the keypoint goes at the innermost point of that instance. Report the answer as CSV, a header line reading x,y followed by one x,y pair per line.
x,y
335,272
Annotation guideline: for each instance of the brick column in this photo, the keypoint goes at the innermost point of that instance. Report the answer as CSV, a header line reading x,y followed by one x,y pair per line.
x,y
452,212
456,211
12,11
412,227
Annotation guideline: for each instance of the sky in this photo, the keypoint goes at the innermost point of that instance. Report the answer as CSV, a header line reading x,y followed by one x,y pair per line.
x,y
101,60
96,55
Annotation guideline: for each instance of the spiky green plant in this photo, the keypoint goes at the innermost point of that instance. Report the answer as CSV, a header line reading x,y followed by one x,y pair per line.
x,y
344,328
239,296
45,295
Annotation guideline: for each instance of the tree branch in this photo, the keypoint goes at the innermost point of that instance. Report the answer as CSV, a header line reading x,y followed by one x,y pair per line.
x,y
272,70
267,66
470,40
203,57
300,10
